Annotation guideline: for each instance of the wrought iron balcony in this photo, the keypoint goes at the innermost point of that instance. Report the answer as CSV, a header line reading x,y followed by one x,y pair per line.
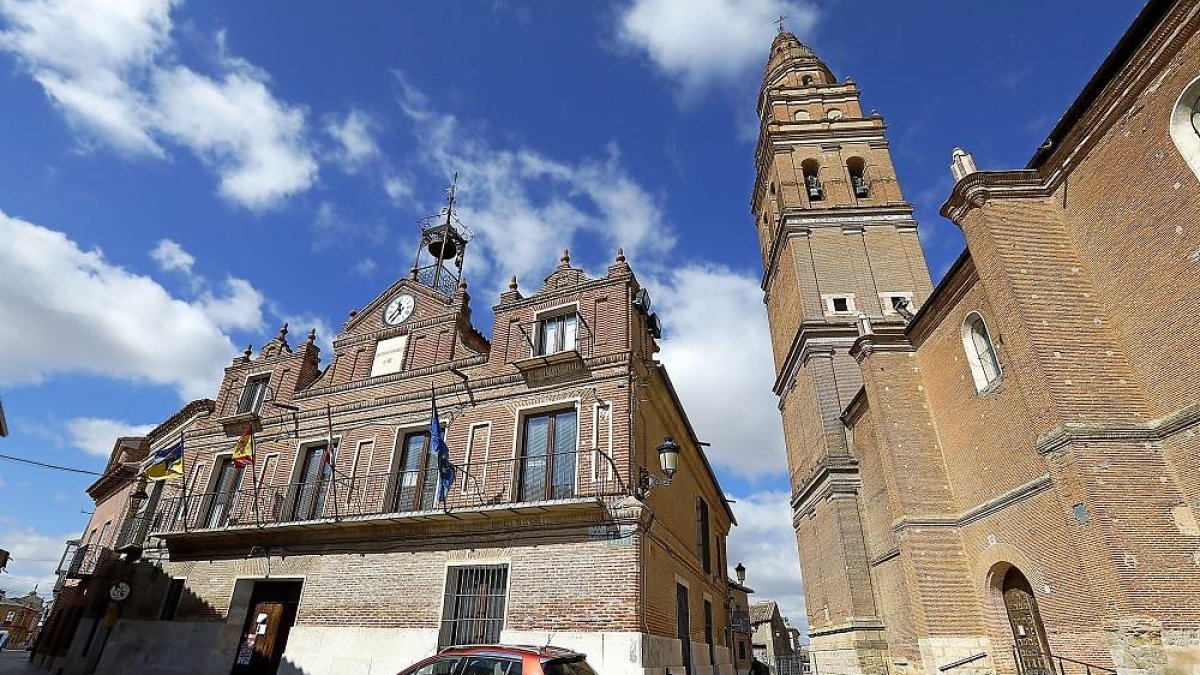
x,y
85,560
539,483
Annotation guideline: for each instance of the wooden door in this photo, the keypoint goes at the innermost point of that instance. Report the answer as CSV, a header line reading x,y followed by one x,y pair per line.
x,y
261,646
1033,652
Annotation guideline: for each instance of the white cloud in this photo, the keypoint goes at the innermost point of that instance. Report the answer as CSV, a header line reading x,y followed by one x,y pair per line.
x,y
765,543
66,310
254,142
701,42
331,228
34,557
717,348
524,206
398,189
96,435
240,308
170,257
108,66
355,137
365,267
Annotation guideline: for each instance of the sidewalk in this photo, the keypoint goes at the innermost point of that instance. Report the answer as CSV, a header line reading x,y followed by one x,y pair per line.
x,y
15,661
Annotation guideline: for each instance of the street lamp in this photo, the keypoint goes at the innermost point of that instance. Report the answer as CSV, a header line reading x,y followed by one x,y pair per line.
x,y
668,461
668,457
740,570
139,494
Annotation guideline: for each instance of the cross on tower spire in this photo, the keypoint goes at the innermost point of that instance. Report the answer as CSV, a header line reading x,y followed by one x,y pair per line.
x,y
779,22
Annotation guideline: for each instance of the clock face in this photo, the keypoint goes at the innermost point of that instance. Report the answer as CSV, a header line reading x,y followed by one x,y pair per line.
x,y
399,309
119,591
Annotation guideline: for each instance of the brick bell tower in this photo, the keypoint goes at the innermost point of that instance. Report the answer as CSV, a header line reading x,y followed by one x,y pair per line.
x,y
838,241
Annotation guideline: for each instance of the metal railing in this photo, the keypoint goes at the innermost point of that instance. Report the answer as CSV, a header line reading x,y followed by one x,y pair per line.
x,y
85,560
543,479
1036,662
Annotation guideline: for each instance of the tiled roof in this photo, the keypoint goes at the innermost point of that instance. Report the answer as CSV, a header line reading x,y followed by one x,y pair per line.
x,y
761,612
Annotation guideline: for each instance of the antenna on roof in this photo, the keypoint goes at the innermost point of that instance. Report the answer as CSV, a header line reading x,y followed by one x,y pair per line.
x,y
549,639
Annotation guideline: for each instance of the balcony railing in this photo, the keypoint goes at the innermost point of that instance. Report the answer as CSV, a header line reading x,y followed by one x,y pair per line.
x,y
84,561
545,480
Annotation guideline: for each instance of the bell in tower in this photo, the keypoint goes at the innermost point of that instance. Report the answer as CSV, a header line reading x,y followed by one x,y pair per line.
x,y
444,240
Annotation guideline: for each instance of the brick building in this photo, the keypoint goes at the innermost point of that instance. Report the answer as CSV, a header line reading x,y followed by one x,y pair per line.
x,y
1009,476
20,619
557,527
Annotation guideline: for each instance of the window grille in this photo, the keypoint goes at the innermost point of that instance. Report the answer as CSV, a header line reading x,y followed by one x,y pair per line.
x,y
473,612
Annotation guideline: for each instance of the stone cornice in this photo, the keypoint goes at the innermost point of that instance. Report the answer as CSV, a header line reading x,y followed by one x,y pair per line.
x,y
812,337
977,512
854,624
834,475
877,342
976,189
1157,430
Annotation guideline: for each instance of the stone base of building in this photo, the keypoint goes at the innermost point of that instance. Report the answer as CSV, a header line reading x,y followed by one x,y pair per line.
x,y
1143,647
198,648
849,651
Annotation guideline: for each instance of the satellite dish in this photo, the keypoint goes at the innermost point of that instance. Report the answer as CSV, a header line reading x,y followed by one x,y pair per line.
x,y
655,326
641,300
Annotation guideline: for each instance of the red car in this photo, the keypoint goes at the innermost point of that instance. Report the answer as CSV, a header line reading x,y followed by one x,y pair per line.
x,y
502,660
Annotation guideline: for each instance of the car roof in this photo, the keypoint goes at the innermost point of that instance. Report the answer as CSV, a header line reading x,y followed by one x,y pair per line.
x,y
543,652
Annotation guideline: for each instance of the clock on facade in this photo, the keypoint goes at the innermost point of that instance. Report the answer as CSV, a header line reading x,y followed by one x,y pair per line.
x,y
399,309
119,591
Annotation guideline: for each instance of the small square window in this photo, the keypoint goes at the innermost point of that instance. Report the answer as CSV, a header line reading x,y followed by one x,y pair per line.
x,y
841,304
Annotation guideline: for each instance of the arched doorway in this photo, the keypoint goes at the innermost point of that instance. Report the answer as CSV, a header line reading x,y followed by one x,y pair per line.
x,y
1029,636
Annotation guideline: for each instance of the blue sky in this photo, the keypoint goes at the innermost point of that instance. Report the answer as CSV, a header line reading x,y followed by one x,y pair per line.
x,y
178,178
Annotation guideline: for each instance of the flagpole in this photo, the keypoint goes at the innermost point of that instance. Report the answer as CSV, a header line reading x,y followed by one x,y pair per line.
x,y
183,465
254,476
330,459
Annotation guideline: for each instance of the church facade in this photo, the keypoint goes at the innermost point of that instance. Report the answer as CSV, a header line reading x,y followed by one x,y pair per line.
x,y
581,513
999,473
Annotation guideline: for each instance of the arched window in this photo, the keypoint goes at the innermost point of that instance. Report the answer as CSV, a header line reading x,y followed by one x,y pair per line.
x,y
1185,125
981,353
812,180
857,168
802,115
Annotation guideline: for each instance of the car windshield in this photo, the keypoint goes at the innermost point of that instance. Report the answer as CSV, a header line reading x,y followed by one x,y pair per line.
x,y
440,666
572,666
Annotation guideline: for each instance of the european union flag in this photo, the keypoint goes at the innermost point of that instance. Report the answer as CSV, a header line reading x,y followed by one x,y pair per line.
x,y
445,468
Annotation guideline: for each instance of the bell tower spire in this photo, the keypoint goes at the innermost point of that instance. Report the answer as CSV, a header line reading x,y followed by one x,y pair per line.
x,y
444,238
839,247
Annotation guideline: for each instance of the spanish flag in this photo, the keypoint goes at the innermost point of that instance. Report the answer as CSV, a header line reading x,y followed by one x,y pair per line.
x,y
243,452
166,464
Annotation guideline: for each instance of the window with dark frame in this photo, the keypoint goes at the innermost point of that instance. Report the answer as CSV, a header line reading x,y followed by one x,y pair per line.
x,y
708,631
557,333
416,479
548,456
841,304
703,536
171,604
473,611
224,492
254,393
313,485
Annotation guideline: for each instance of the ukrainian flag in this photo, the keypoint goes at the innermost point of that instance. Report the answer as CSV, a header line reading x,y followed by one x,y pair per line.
x,y
166,464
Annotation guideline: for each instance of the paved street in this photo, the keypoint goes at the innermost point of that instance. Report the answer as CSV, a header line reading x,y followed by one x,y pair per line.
x,y
15,662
